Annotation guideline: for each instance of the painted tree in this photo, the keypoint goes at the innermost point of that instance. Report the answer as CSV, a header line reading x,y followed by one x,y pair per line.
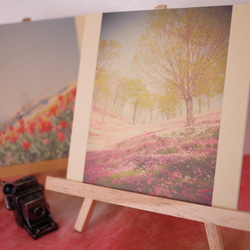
x,y
144,101
100,88
120,97
136,92
107,53
119,93
154,100
111,92
169,104
185,51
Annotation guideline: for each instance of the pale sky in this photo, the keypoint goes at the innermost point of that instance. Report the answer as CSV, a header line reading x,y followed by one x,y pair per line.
x,y
127,28
35,57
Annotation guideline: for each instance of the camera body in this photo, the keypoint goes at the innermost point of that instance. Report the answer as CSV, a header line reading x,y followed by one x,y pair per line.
x,y
26,198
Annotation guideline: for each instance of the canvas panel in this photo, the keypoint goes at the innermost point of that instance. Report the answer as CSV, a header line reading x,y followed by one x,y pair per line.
x,y
76,165
39,67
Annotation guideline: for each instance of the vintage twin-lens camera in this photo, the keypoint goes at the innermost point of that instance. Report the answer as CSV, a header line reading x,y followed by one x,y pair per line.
x,y
26,198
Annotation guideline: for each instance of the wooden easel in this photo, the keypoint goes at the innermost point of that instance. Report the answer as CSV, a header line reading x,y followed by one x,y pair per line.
x,y
212,217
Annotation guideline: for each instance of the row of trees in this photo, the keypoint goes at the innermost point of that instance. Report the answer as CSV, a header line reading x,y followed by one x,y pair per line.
x,y
181,58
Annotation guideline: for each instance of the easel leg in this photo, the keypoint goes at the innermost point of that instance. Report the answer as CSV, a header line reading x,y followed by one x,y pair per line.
x,y
214,236
84,215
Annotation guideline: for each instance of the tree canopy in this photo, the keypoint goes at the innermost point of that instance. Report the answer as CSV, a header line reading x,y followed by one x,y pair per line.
x,y
185,51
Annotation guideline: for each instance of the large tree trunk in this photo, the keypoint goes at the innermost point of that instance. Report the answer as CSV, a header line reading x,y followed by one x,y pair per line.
x,y
189,109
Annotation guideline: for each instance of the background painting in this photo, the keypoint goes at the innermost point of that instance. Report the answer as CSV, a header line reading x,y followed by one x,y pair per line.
x,y
156,110
38,68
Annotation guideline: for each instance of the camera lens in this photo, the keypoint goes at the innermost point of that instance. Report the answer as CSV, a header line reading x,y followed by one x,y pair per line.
x,y
39,211
9,189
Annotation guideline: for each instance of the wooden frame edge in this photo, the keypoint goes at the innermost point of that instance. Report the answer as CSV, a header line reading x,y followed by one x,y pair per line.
x,y
33,168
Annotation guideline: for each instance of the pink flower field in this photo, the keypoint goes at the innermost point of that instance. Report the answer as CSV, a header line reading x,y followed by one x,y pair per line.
x,y
165,159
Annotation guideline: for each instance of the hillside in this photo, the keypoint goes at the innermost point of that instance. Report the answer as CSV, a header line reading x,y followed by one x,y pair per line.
x,y
116,128
165,159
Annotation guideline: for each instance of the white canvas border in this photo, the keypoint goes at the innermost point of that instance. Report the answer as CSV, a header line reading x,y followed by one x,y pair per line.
x,y
85,85
234,112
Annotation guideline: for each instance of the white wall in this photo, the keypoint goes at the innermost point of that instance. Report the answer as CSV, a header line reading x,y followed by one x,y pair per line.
x,y
16,10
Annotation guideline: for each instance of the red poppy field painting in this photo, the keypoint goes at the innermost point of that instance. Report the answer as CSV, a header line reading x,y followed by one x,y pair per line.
x,y
39,67
157,100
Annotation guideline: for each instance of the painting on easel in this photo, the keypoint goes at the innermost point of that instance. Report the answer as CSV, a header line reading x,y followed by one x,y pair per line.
x,y
39,68
157,100
156,109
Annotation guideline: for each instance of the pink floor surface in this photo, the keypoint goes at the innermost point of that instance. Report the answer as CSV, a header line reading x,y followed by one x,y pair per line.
x,y
116,227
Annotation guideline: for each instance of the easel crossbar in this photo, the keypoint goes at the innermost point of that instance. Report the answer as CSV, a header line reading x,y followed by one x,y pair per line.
x,y
218,216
